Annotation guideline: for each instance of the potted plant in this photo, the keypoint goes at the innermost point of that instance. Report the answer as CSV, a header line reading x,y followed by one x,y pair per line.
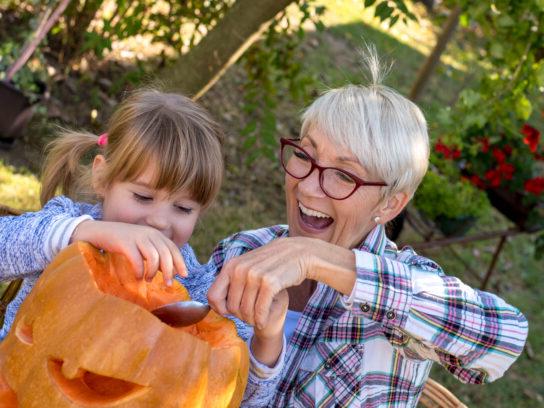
x,y
453,205
508,166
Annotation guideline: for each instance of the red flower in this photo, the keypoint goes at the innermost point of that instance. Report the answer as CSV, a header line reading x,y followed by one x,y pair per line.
x,y
507,150
534,185
507,170
499,155
448,152
494,177
532,136
477,181
485,144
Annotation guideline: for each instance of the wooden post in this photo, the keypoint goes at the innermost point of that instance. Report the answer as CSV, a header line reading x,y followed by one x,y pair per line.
x,y
428,67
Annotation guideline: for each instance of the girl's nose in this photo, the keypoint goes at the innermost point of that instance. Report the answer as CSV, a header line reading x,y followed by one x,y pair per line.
x,y
310,185
158,220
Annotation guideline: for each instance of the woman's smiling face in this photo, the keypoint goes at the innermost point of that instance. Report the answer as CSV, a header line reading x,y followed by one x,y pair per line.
x,y
311,213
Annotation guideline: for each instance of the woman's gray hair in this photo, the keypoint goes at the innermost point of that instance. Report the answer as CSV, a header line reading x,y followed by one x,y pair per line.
x,y
384,130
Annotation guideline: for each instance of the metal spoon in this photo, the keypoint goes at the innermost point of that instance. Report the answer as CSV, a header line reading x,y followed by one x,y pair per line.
x,y
180,314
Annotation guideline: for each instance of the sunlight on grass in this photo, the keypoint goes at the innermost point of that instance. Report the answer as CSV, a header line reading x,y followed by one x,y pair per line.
x,y
19,188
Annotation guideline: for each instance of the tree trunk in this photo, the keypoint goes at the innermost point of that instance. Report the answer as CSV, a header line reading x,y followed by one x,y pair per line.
x,y
196,72
428,67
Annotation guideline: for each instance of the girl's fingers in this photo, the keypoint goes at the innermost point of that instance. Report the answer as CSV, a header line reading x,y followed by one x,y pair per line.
x,y
177,259
151,256
135,258
166,264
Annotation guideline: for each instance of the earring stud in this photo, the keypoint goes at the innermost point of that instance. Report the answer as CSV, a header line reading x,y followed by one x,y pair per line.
x,y
377,219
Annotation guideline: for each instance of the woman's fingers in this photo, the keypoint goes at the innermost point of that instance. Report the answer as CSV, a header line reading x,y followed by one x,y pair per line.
x,y
217,294
267,291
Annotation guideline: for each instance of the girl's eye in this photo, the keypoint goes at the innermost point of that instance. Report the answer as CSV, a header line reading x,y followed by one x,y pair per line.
x,y
142,198
183,209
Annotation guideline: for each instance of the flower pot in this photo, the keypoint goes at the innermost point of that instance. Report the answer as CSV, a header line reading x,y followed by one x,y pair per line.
x,y
455,227
511,206
16,112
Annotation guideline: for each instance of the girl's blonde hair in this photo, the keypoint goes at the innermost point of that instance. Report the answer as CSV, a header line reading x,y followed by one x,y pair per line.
x,y
384,130
149,128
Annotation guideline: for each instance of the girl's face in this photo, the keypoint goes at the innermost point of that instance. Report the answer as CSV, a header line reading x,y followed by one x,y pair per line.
x,y
137,202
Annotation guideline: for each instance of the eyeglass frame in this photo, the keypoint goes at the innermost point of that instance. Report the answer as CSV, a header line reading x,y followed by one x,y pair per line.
x,y
359,182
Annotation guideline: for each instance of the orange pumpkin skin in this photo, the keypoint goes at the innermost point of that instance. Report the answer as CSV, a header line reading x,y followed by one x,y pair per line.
x,y
85,338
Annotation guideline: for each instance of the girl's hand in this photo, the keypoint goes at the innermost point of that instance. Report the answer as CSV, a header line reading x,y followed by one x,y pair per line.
x,y
147,249
248,284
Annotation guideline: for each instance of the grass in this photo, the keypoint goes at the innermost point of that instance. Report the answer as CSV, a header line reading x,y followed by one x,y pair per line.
x,y
19,188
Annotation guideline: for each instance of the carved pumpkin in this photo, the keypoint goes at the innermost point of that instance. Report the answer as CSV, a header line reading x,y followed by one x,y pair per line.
x,y
86,338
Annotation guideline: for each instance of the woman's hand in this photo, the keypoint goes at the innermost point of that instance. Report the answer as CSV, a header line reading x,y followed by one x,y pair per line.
x,y
147,249
267,342
247,285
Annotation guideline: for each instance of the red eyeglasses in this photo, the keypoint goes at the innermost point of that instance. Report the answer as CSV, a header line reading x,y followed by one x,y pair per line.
x,y
336,183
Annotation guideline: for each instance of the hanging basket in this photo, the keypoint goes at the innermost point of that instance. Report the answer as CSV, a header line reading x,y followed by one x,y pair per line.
x,y
511,206
16,112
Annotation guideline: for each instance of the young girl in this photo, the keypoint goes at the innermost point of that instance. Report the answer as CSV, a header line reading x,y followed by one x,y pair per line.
x,y
158,167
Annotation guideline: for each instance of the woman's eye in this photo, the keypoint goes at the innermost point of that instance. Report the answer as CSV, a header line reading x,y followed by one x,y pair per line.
x,y
142,198
301,155
344,178
183,209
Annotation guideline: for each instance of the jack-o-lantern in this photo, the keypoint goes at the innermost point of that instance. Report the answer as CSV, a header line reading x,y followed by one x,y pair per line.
x,y
85,337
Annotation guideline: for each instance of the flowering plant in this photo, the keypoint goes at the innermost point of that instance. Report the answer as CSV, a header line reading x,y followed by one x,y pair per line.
x,y
506,161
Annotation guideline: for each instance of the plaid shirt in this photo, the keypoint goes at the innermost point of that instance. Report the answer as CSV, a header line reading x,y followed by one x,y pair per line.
x,y
375,348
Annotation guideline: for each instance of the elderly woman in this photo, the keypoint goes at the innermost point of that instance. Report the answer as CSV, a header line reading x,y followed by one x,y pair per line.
x,y
379,316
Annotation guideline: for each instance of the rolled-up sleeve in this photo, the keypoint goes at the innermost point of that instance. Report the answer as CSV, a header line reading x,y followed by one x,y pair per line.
x,y
476,335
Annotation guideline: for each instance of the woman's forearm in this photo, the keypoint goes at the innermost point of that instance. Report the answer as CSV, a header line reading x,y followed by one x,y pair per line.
x,y
334,266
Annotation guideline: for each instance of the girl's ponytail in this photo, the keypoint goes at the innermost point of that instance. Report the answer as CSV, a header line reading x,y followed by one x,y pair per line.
x,y
63,168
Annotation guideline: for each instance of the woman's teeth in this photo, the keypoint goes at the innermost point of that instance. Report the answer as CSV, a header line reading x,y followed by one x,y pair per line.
x,y
312,213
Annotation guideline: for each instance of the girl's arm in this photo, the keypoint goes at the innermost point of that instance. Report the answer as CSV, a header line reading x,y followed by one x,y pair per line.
x,y
30,241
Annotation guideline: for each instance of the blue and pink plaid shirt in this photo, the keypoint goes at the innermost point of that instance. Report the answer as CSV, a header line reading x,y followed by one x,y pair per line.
x,y
375,348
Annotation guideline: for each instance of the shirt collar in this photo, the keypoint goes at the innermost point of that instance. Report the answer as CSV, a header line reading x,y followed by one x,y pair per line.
x,y
375,241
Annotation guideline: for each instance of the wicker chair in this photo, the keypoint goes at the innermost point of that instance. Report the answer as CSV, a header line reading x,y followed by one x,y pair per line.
x,y
435,395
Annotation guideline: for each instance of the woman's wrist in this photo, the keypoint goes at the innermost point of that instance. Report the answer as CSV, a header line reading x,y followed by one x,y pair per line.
x,y
267,349
334,266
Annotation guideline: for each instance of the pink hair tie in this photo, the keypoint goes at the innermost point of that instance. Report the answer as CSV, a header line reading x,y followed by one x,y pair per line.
x,y
102,140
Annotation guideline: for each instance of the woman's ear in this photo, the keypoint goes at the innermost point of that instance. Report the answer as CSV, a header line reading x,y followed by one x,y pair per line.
x,y
97,177
393,206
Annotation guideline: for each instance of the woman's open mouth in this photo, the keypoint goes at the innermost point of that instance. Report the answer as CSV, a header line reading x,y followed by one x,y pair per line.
x,y
313,220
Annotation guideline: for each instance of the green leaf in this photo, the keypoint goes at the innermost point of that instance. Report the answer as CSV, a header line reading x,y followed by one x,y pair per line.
x,y
369,3
496,50
470,98
523,108
505,21
383,11
540,4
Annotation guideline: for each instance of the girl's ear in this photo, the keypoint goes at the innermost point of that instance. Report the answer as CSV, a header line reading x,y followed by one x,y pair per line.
x,y
97,177
393,206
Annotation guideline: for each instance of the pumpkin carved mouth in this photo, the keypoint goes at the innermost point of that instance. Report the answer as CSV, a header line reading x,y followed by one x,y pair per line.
x,y
91,389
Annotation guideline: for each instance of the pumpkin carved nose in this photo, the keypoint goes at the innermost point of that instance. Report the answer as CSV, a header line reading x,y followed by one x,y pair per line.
x,y
91,389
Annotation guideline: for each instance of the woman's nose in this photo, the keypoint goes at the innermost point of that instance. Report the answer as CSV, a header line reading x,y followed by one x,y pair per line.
x,y
310,185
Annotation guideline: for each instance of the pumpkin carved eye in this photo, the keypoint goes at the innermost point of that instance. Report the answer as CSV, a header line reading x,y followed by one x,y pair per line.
x,y
24,332
90,389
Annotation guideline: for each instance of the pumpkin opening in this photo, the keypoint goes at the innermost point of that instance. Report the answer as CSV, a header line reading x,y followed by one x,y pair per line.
x,y
92,389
